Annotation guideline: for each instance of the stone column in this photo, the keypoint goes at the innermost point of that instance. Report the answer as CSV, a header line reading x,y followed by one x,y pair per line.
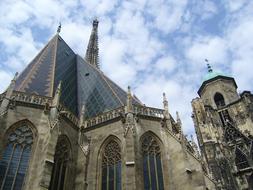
x,y
129,134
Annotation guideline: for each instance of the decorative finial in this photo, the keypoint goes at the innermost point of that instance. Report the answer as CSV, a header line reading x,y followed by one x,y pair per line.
x,y
57,95
164,97
59,28
192,139
166,106
179,123
129,100
129,90
82,116
178,118
209,68
83,109
15,77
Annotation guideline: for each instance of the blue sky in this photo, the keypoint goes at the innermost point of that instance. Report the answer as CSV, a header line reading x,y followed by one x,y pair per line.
x,y
154,46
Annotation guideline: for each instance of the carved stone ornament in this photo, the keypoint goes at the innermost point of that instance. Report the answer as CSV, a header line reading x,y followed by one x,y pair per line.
x,y
53,121
85,147
130,122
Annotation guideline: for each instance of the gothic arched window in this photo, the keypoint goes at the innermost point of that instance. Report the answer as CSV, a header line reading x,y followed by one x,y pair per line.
x,y
15,158
111,166
152,165
219,100
241,159
61,160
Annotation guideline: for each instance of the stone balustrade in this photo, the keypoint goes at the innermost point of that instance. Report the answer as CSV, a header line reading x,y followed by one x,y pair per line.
x,y
31,98
140,110
68,114
105,117
148,111
42,100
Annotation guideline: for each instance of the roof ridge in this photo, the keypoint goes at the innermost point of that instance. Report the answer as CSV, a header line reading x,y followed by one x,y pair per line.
x,y
39,54
28,77
54,65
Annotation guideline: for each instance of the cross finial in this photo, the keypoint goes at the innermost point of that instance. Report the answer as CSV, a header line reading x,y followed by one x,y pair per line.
x,y
59,28
209,67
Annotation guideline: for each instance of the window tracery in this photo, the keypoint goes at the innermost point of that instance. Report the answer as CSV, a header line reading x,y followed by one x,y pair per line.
x,y
111,166
241,159
152,165
61,161
251,150
15,158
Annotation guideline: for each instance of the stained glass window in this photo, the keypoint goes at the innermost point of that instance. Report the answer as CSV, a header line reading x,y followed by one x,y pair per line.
x,y
111,166
152,165
15,158
61,160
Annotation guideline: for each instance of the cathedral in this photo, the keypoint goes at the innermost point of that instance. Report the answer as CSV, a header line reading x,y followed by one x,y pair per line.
x,y
64,125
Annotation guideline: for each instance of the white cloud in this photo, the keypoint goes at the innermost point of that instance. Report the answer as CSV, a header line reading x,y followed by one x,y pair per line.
x,y
167,15
79,40
213,48
209,9
138,39
5,78
165,64
14,13
234,5
241,47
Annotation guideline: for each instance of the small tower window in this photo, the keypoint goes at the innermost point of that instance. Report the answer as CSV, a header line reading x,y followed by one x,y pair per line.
x,y
219,100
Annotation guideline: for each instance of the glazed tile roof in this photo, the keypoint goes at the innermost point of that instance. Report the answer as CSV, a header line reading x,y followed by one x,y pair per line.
x,y
82,83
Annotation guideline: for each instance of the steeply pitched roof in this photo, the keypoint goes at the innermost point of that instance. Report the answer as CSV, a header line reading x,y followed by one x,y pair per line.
x,y
96,91
56,62
82,83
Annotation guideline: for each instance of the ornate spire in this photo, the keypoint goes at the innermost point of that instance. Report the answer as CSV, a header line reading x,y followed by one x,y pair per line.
x,y
92,49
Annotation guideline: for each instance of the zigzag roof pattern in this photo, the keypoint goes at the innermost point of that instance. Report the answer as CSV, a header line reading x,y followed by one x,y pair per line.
x,y
82,83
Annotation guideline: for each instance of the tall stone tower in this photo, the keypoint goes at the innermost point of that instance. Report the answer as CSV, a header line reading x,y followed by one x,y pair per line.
x,y
223,122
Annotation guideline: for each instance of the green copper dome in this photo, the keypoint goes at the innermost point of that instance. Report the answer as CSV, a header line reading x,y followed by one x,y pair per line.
x,y
212,74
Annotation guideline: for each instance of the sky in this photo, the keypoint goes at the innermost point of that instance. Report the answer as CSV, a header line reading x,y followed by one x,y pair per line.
x,y
154,46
